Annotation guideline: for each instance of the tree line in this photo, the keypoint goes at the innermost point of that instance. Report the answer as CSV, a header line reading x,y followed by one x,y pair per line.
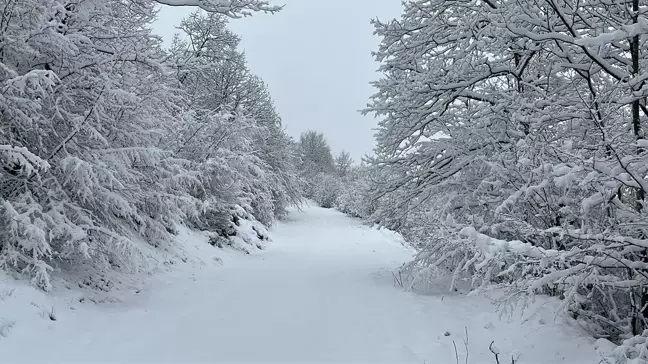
x,y
511,150
107,138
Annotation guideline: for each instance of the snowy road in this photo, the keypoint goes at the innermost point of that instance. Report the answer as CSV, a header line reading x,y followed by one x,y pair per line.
x,y
323,292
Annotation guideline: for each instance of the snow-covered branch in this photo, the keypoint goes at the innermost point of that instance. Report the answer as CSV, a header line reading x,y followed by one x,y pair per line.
x,y
231,8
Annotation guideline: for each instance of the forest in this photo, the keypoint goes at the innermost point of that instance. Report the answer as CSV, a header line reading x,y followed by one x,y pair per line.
x,y
510,150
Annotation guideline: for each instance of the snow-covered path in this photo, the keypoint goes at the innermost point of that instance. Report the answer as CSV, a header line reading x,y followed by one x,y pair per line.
x,y
322,292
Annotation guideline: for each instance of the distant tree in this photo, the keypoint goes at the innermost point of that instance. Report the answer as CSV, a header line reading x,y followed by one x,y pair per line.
x,y
315,158
343,163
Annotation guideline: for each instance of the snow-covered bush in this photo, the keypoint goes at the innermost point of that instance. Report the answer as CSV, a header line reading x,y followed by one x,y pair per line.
x,y
241,230
631,351
327,190
354,198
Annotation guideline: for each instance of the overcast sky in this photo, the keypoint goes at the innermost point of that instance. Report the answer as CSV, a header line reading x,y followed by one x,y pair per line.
x,y
316,58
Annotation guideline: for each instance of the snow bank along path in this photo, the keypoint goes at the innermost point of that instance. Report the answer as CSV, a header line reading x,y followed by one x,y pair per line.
x,y
322,292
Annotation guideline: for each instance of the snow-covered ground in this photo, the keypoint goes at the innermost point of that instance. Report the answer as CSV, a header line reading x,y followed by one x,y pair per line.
x,y
322,292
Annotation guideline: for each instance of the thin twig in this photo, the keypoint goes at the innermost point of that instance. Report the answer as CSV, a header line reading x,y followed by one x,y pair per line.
x,y
466,344
490,347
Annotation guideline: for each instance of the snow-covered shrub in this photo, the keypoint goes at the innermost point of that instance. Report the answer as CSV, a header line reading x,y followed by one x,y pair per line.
x,y
354,198
327,190
249,231
631,351
237,228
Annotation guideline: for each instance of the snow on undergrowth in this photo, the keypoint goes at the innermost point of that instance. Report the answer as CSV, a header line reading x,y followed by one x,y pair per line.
x,y
24,306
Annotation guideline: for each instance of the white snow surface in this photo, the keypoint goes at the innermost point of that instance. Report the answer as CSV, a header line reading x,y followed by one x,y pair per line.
x,y
322,292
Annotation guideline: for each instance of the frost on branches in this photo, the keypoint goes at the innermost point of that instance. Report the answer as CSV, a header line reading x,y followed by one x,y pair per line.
x,y
107,139
511,149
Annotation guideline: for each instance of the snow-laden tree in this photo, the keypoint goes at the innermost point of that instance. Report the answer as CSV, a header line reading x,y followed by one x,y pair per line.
x,y
233,133
83,91
343,163
89,106
315,160
355,197
512,133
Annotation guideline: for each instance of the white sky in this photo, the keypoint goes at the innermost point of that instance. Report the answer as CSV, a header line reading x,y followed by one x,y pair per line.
x,y
315,57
